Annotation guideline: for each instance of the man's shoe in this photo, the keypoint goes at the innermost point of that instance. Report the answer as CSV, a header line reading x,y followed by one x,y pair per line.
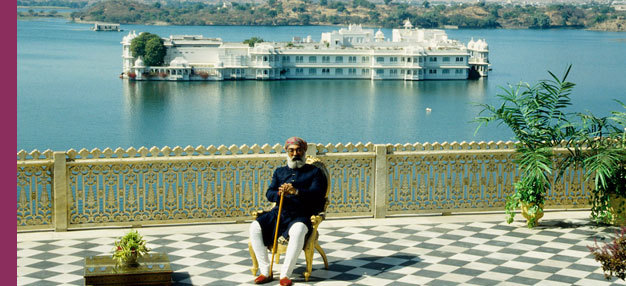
x,y
262,279
285,281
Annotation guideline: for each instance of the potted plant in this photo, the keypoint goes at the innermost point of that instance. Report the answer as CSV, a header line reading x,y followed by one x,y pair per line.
x,y
599,147
612,256
535,167
536,116
130,247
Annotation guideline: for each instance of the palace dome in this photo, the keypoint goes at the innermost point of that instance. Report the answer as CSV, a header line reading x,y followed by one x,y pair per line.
x,y
139,63
263,48
179,62
379,34
471,44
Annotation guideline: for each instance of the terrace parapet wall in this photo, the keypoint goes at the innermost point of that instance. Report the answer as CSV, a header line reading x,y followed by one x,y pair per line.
x,y
147,186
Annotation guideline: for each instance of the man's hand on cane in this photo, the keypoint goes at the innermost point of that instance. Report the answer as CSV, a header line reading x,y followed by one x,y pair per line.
x,y
288,189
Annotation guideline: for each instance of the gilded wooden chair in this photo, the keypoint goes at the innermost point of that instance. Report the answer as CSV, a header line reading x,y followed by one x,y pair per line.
x,y
311,244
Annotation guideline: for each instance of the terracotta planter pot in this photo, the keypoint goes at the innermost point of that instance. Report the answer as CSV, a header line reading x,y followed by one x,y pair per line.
x,y
531,219
617,207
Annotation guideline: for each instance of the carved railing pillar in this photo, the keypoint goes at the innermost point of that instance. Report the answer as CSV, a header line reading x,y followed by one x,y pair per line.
x,y
60,192
380,181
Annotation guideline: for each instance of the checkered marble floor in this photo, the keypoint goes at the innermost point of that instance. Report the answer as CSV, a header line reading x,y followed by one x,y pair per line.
x,y
451,250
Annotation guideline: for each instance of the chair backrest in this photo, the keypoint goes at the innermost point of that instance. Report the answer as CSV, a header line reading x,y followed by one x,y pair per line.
x,y
318,163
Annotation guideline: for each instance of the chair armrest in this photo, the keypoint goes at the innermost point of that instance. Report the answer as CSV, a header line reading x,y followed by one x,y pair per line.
x,y
317,219
256,214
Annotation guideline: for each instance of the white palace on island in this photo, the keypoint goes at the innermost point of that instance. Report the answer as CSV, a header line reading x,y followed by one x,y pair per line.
x,y
352,53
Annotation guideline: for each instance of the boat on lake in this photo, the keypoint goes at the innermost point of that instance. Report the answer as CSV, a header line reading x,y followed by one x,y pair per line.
x,y
411,54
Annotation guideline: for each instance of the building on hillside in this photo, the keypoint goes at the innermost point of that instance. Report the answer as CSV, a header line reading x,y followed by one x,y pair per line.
x,y
619,5
352,53
106,27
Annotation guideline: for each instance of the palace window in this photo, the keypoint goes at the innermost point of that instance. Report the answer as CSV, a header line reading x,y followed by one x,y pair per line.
x,y
286,59
408,72
351,71
312,71
446,59
299,71
265,58
459,59
445,71
380,71
352,59
393,72
339,59
433,59
299,59
365,59
431,71
312,59
380,59
393,59
325,59
325,71
420,59
365,71
339,71
458,71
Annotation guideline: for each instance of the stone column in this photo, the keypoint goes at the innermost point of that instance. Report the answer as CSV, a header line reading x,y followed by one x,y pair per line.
x,y
311,149
380,182
60,192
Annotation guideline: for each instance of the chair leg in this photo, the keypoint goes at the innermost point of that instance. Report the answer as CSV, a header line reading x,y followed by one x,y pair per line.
x,y
308,256
321,251
255,263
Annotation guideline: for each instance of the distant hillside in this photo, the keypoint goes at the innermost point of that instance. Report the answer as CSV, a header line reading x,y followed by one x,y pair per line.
x,y
329,12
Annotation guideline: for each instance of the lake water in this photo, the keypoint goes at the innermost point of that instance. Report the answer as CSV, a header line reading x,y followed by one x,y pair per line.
x,y
69,94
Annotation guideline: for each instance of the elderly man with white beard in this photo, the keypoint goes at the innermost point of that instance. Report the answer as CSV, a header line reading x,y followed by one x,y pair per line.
x,y
304,189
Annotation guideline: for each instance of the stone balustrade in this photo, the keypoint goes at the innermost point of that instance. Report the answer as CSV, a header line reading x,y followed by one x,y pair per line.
x,y
134,187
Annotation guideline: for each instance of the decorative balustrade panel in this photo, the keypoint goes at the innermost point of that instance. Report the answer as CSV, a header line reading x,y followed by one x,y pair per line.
x,y
446,179
351,187
451,182
162,191
569,190
35,196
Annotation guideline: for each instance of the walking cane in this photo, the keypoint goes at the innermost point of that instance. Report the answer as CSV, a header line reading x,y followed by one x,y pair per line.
x,y
280,208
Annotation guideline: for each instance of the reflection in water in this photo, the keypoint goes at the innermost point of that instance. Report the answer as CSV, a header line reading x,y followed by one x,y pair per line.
x,y
323,111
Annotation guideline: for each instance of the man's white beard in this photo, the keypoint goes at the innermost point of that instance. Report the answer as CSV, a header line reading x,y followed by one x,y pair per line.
x,y
295,164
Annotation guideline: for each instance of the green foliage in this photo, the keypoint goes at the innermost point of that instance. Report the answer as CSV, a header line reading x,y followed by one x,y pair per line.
x,y
286,12
53,3
536,167
253,41
612,256
150,47
155,52
599,147
536,116
131,244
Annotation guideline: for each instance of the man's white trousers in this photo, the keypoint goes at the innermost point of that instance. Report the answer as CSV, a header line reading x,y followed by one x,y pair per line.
x,y
297,233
